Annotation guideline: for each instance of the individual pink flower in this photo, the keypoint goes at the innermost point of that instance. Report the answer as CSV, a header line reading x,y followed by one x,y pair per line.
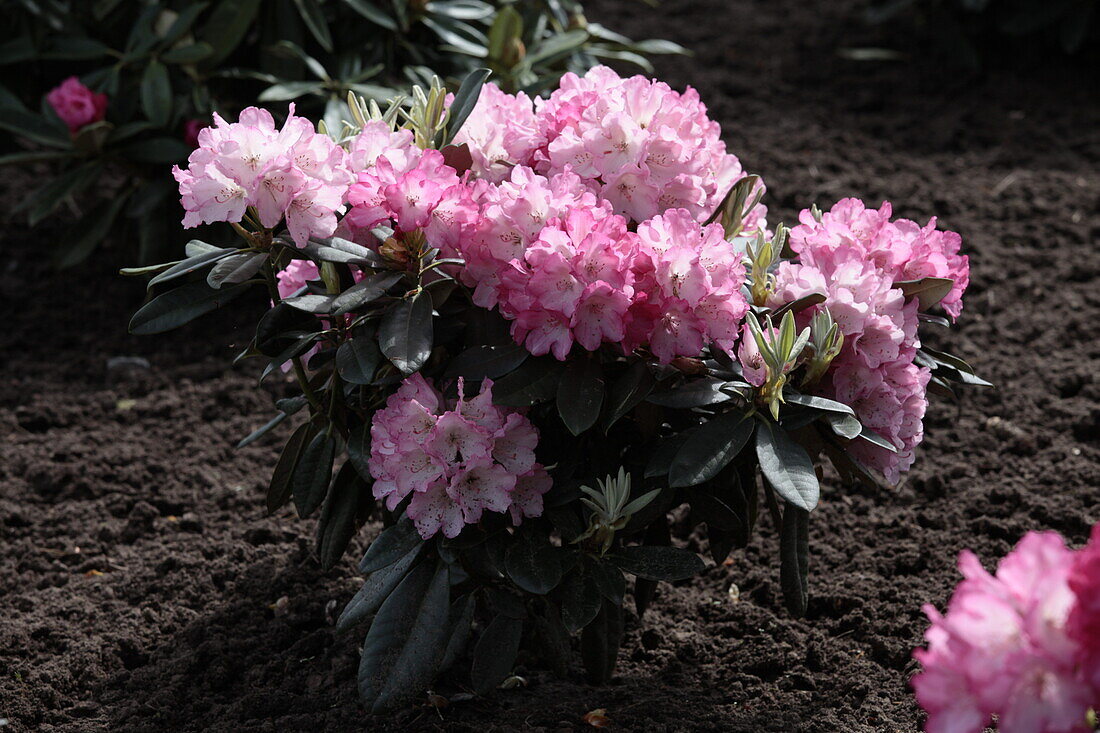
x,y
295,275
455,459
1002,649
76,104
902,250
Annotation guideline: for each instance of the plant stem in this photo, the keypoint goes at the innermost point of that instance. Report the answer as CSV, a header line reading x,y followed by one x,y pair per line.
x,y
299,370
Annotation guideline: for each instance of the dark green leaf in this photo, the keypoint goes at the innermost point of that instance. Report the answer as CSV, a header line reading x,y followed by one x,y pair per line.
x,y
928,291
358,358
336,526
406,333
280,327
226,26
367,9
580,599
390,546
44,200
556,46
311,303
464,102
709,448
846,426
657,562
186,55
532,563
314,19
193,263
180,306
536,380
495,653
794,559
406,641
376,589
287,90
366,291
183,22
235,269
580,393
160,150
480,362
600,642
660,461
279,489
461,627
696,393
628,391
818,403
32,127
312,475
156,93
359,450
609,580
786,466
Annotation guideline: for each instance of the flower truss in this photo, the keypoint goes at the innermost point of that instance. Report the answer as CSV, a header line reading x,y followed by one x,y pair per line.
x,y
522,331
1022,644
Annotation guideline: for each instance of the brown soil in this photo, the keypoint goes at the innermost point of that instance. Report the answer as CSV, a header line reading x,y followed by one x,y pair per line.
x,y
140,582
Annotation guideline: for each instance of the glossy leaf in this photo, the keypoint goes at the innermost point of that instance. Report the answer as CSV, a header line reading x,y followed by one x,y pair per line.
x,y
464,101
532,563
358,358
536,380
156,93
786,466
336,526
312,474
406,641
377,588
366,291
359,450
180,306
580,599
406,333
480,362
495,653
390,546
194,262
628,392
279,489
580,394
600,641
794,559
709,448
657,562
235,269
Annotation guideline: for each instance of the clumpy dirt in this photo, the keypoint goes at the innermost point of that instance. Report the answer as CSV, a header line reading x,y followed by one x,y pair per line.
x,y
143,589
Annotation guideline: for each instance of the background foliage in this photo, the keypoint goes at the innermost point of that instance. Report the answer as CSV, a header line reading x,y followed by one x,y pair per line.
x,y
165,62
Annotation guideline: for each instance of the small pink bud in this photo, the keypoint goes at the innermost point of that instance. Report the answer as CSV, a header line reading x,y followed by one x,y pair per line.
x,y
76,104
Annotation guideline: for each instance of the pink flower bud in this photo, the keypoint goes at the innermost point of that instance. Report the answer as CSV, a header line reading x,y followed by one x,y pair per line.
x,y
76,104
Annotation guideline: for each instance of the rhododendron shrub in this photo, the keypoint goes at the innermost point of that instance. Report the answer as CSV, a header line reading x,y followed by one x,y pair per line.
x,y
1021,645
518,365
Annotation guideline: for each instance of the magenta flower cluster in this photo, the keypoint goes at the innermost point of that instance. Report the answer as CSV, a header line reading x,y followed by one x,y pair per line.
x,y
456,459
292,173
857,258
1022,644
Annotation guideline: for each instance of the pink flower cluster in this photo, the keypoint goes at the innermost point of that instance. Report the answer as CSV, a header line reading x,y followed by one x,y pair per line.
x,y
1019,645
412,189
856,257
902,250
633,142
292,172
456,459
76,104
563,268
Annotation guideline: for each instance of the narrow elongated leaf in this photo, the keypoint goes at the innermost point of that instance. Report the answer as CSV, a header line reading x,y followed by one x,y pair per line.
x,y
709,448
226,26
314,18
480,362
532,563
187,55
536,380
32,127
819,403
786,466
287,90
406,333
464,101
358,358
406,641
280,327
610,581
359,449
846,426
460,628
92,229
336,526
312,475
235,269
390,546
376,589
367,9
160,150
628,391
495,653
366,291
279,489
794,559
696,393
928,291
600,641
45,199
580,599
875,439
657,562
156,93
311,303
580,394
193,262
180,306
